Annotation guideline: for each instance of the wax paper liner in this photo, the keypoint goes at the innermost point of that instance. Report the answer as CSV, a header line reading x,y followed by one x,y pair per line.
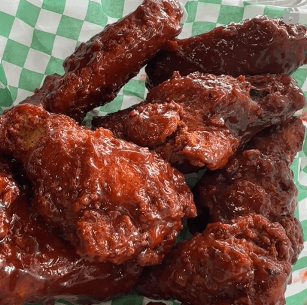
x,y
36,36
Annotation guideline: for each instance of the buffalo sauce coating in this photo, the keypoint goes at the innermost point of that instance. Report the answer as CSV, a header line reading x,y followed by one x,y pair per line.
x,y
294,232
284,140
250,183
245,261
9,191
40,94
97,70
113,200
258,180
256,46
201,119
36,265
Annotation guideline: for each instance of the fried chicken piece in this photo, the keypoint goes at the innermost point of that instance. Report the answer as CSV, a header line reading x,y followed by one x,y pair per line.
x,y
259,180
36,265
201,119
114,201
97,70
245,261
249,183
255,46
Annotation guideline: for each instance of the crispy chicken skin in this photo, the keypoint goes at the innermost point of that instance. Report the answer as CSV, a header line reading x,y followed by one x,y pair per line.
x,y
97,70
201,119
37,265
114,201
258,180
245,261
255,46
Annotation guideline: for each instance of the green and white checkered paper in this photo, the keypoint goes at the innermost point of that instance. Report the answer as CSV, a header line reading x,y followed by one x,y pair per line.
x,y
37,35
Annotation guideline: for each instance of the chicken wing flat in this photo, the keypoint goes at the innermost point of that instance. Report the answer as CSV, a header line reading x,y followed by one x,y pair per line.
x,y
114,201
38,266
245,261
255,46
258,180
97,70
201,119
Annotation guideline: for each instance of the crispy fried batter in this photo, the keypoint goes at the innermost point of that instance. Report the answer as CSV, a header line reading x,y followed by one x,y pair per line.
x,y
113,200
246,261
256,46
201,119
97,70
258,180
37,265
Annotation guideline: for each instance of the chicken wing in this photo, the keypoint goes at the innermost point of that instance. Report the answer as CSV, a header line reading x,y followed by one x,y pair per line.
x,y
256,46
245,261
258,180
36,265
202,119
113,200
97,70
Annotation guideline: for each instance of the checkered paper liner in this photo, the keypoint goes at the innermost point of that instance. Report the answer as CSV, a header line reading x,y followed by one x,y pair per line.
x,y
37,35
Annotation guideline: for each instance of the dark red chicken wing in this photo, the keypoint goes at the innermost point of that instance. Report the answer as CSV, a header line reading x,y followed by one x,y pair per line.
x,y
114,201
202,119
256,46
245,261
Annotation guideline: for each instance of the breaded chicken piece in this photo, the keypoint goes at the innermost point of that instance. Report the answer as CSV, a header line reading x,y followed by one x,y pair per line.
x,y
258,180
202,119
245,261
98,69
255,46
37,265
114,201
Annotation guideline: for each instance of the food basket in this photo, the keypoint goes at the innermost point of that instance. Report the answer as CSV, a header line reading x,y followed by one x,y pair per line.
x,y
37,35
